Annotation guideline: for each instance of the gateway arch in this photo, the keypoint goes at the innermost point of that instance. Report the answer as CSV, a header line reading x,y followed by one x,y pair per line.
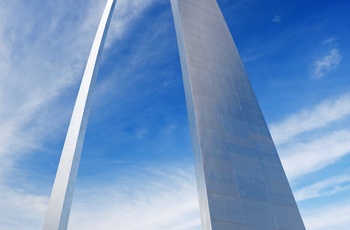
x,y
241,183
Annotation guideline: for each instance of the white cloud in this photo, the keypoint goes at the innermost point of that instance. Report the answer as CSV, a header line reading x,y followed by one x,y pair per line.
x,y
277,19
150,200
335,216
32,76
329,41
301,158
319,116
324,188
125,12
327,63
23,211
306,141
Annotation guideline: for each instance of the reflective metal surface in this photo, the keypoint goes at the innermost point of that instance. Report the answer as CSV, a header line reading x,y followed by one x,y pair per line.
x,y
62,193
240,179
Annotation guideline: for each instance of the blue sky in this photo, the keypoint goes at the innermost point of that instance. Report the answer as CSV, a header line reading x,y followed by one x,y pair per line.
x,y
136,169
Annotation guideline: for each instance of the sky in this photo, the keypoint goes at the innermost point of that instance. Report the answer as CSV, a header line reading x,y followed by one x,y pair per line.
x,y
136,170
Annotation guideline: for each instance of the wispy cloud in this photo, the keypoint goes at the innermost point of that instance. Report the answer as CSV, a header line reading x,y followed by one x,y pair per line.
x,y
125,12
23,211
328,62
304,157
31,75
277,19
306,140
324,188
153,199
316,117
146,199
335,216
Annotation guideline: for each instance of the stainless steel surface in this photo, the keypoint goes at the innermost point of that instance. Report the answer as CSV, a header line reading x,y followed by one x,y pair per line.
x,y
240,179
62,193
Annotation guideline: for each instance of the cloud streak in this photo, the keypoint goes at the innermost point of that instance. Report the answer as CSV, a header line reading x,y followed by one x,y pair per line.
x,y
307,140
31,75
153,199
302,158
23,211
324,188
317,117
328,217
125,12
328,62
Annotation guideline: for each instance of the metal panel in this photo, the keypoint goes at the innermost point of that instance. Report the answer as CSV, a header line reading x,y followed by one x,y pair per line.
x,y
62,193
240,180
